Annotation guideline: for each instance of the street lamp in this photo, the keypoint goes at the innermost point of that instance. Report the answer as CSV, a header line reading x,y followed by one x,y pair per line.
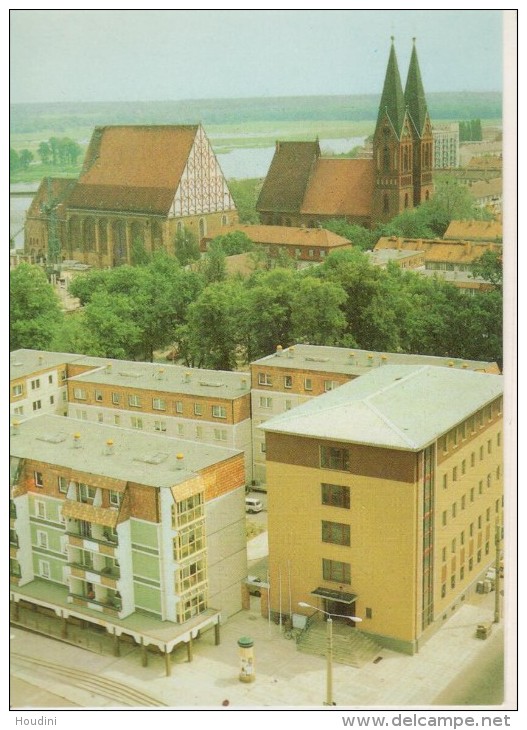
x,y
329,652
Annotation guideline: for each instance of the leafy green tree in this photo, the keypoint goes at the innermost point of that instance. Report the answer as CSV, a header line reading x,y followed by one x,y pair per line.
x,y
44,152
359,236
316,312
410,223
213,265
26,158
139,254
234,243
245,194
451,201
14,160
186,247
35,312
110,317
489,266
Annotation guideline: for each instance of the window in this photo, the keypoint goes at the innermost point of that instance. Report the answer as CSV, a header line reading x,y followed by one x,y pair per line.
x,y
63,484
498,439
489,481
160,426
263,448
470,563
472,459
454,474
159,404
35,384
443,590
43,569
487,514
19,411
40,509
288,381
98,396
187,510
464,467
198,409
17,390
334,458
136,422
39,480
86,493
481,453
463,501
79,393
478,556
81,415
288,405
480,522
199,432
445,481
308,384
52,399
335,532
42,539
264,379
220,434
190,575
444,444
443,518
62,376
453,546
180,429
117,420
116,398
134,401
480,487
498,471
443,554
190,540
471,529
178,406
266,402
330,385
37,405
454,509
453,581
334,570
100,418
335,495
219,412
115,498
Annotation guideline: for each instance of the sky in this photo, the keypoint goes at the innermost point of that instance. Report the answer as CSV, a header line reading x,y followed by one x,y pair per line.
x,y
150,55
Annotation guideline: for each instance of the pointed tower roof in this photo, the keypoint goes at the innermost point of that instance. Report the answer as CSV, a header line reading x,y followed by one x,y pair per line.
x,y
414,94
392,99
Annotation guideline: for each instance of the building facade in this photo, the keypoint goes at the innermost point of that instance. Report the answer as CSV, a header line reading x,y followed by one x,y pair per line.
x,y
385,497
446,146
292,376
106,524
303,188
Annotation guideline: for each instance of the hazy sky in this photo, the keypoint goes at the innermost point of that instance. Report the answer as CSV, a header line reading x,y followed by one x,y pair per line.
x,y
141,55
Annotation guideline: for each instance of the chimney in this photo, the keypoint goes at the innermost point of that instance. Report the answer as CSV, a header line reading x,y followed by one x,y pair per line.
x,y
179,462
108,451
279,351
77,441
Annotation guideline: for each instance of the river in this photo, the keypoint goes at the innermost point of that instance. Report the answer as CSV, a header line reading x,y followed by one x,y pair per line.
x,y
240,163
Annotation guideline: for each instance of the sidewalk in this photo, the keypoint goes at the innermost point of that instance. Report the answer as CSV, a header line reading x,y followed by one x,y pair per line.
x,y
284,677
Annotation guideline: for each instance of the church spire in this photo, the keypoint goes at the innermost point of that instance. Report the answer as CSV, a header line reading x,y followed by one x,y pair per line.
x,y
414,94
392,99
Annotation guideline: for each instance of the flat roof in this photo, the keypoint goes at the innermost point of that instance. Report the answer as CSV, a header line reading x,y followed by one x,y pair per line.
x,y
26,362
136,456
348,361
167,378
400,407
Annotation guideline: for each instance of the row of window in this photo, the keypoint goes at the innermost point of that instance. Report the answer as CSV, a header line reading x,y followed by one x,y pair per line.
x,y
79,491
462,570
461,470
267,380
459,433
35,384
462,504
138,423
158,404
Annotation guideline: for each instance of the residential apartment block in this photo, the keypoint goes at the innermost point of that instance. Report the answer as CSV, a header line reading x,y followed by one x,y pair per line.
x,y
446,146
134,532
38,382
206,406
292,376
385,498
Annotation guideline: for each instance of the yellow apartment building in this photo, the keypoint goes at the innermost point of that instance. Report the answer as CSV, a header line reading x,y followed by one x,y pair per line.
x,y
384,497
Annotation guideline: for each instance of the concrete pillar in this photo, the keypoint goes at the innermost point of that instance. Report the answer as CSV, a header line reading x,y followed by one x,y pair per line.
x,y
168,663
116,645
189,649
144,653
217,633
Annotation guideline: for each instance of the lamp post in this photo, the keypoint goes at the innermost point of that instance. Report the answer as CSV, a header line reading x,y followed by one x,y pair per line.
x,y
329,650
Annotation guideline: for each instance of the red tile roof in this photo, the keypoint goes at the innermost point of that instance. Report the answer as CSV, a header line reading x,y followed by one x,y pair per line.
x,y
288,177
340,187
289,235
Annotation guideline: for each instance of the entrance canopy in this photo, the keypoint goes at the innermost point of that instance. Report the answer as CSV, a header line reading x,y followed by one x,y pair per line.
x,y
331,595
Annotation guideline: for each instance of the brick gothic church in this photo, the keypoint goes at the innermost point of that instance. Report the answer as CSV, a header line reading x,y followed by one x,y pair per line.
x,y
302,188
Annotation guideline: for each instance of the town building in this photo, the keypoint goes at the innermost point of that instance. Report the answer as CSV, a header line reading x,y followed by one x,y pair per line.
x,y
305,245
474,230
206,406
38,382
290,377
488,195
385,498
302,188
446,146
142,535
140,186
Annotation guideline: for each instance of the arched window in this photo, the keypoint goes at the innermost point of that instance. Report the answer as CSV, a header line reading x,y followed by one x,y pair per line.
x,y
119,243
386,203
89,234
386,159
103,236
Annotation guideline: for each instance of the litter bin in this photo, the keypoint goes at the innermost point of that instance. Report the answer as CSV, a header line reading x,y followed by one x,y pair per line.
x,y
245,644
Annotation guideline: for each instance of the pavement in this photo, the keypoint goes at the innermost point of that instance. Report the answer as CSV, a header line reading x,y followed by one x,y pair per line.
x,y
285,678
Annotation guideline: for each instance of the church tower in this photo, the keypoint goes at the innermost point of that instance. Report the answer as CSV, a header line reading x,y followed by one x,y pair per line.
x,y
392,149
423,143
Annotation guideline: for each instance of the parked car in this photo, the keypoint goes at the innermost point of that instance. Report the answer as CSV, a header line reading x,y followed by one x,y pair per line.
x,y
253,504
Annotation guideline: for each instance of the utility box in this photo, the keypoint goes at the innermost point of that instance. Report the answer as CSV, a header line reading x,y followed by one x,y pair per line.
x,y
483,631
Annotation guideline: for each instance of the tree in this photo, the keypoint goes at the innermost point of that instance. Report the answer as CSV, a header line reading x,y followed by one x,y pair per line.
x,y
139,254
213,265
109,318
44,151
186,247
245,194
410,223
316,312
451,201
35,312
233,243
359,236
26,158
489,266
14,160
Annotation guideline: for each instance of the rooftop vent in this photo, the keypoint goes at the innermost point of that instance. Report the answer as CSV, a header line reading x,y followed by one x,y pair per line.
x,y
179,461
16,364
317,359
291,352
279,351
109,367
156,457
108,448
77,441
187,377
210,384
129,374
